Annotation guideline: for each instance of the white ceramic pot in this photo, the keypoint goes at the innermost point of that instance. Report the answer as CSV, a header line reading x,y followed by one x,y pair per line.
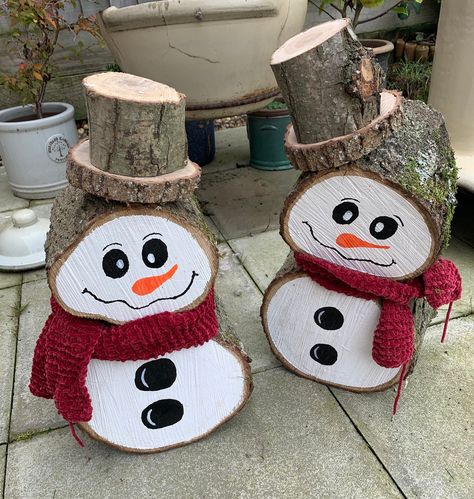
x,y
217,52
34,152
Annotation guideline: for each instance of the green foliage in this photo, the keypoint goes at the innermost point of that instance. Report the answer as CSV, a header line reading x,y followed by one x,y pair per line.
x,y
412,78
353,8
276,105
113,67
36,26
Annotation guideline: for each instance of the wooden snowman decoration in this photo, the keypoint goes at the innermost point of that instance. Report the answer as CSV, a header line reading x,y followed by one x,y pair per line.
x,y
133,351
366,221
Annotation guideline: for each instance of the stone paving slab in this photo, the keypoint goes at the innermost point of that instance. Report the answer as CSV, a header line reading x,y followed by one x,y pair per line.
x,y
232,149
291,441
262,255
9,300
242,301
31,414
7,200
429,447
245,201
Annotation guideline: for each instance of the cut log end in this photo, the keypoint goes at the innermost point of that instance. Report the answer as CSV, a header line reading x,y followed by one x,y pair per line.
x,y
166,188
127,87
307,40
324,335
361,221
347,148
189,414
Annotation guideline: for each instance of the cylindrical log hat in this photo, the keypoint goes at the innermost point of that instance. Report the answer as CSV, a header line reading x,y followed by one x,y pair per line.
x,y
137,148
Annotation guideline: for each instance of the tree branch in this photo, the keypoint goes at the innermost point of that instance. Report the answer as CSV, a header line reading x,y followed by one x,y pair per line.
x,y
321,9
382,14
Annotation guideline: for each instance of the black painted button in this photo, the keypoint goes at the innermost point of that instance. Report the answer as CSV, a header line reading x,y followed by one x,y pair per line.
x,y
329,318
324,354
162,413
155,375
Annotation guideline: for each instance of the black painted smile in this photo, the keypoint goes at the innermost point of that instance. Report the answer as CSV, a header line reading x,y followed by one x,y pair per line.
x,y
346,257
107,302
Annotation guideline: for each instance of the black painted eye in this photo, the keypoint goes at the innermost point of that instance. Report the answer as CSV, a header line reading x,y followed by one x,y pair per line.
x,y
383,227
115,263
154,253
345,213
155,375
329,318
324,354
162,413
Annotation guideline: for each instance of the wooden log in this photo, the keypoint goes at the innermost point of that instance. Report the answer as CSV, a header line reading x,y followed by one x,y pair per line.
x,y
327,336
74,211
166,188
361,221
136,125
329,81
119,263
412,175
340,150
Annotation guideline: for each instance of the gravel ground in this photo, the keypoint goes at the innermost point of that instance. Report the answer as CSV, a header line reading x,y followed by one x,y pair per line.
x,y
219,124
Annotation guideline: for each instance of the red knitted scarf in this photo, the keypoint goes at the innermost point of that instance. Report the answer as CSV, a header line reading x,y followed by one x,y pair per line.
x,y
67,344
393,342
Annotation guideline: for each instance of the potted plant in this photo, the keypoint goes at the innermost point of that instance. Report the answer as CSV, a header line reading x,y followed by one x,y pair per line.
x,y
353,10
36,136
266,130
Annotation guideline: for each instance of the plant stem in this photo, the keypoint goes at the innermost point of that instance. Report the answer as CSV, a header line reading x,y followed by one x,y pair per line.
x,y
358,10
321,9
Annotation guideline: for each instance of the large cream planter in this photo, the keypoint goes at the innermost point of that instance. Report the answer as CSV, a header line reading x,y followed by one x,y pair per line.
x,y
217,52
34,152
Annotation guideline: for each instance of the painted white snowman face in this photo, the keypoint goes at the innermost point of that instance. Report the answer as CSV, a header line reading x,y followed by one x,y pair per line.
x,y
359,223
133,264
325,335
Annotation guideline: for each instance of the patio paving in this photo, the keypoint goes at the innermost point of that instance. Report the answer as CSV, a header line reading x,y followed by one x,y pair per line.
x,y
294,438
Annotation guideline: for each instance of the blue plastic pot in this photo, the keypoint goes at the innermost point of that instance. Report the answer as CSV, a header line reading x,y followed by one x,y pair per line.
x,y
266,130
201,141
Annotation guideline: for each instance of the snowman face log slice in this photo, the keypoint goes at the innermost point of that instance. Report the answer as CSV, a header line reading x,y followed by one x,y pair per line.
x,y
129,265
133,264
357,221
324,335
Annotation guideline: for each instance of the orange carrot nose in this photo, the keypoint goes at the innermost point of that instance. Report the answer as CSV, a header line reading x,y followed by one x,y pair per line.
x,y
347,240
147,285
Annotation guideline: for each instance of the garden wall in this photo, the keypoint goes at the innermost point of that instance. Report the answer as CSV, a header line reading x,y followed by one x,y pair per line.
x,y
67,87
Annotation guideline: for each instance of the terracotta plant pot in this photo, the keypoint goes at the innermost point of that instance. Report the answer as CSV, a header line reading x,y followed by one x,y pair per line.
x,y
399,49
422,52
410,51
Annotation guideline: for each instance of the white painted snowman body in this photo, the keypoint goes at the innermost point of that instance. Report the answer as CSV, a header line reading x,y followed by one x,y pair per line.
x,y
356,221
137,263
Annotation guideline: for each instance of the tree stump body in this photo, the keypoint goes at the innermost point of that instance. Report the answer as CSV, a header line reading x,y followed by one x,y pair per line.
x,y
330,83
373,205
136,126
136,351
